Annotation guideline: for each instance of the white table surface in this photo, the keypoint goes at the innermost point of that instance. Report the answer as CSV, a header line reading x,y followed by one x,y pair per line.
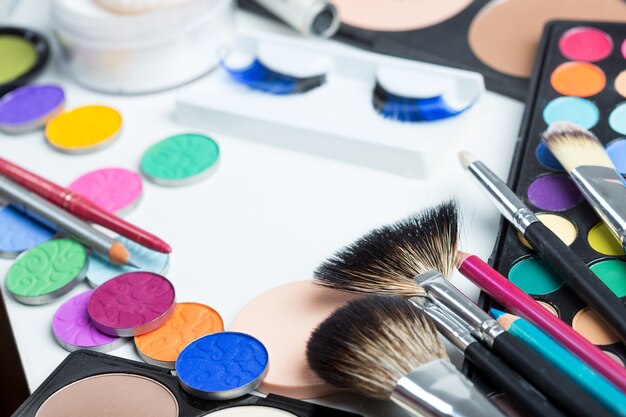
x,y
268,216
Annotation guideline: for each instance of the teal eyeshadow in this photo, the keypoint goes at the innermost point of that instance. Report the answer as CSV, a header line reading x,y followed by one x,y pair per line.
x,y
534,277
617,119
572,109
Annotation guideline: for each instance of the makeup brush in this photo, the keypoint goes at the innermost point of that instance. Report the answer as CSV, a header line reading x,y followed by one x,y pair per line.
x,y
384,348
492,367
561,258
409,255
584,158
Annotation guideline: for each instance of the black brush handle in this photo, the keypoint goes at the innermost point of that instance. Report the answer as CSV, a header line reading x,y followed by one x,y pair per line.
x,y
578,277
510,382
561,390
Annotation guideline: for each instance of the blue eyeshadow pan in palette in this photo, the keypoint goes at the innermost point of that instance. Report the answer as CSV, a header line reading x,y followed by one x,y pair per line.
x,y
589,93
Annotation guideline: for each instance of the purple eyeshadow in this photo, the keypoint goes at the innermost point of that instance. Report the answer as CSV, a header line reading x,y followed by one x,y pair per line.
x,y
554,193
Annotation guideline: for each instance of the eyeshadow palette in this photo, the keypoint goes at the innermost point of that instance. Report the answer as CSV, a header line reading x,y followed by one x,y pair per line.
x,y
90,383
578,78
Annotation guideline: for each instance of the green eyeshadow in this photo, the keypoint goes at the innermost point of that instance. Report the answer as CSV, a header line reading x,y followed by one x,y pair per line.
x,y
534,277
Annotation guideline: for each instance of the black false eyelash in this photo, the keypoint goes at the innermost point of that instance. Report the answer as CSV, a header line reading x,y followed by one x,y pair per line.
x,y
260,77
412,109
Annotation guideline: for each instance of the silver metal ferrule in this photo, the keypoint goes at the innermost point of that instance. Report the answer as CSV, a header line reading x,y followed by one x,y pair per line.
x,y
456,332
509,205
309,17
604,190
439,290
438,389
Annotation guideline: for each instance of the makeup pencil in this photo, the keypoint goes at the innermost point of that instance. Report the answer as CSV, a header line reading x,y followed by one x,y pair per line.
x,y
492,367
406,258
80,206
384,348
561,258
109,249
570,365
514,299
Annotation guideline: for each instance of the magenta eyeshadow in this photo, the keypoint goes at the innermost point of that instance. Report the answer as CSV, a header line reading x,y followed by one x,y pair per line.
x,y
131,304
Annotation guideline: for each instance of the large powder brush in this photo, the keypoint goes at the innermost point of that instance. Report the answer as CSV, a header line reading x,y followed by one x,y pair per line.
x,y
384,348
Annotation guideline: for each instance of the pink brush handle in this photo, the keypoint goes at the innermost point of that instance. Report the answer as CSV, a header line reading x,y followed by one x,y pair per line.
x,y
506,293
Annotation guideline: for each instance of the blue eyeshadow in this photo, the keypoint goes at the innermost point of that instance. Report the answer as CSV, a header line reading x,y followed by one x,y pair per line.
x,y
547,159
18,232
572,109
222,366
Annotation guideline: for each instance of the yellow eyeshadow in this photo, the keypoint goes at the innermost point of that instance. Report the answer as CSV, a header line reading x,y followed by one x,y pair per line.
x,y
84,129
602,240
560,226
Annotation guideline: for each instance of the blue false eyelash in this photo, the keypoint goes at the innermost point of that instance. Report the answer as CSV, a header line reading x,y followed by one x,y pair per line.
x,y
260,77
409,109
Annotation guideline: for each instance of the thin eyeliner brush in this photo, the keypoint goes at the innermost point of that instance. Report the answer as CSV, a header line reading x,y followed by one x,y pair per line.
x,y
405,259
561,258
492,367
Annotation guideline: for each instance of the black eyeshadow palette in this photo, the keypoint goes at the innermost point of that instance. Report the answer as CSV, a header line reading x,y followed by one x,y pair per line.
x,y
579,77
91,383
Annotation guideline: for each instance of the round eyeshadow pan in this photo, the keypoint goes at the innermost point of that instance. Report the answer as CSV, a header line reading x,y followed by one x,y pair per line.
x,y
617,152
613,273
602,240
578,79
586,44
73,329
534,277
222,366
132,304
586,323
18,57
30,107
113,394
180,159
624,48
554,193
113,189
18,232
547,158
46,272
549,307
189,322
100,271
571,109
560,226
617,119
620,83
84,129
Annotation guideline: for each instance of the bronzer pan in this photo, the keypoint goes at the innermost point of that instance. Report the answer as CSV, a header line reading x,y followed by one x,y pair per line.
x,y
496,38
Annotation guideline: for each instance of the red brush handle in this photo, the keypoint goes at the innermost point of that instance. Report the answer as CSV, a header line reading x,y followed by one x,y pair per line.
x,y
506,293
80,206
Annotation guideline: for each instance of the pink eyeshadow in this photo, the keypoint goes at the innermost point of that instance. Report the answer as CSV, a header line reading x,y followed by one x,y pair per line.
x,y
624,49
586,44
132,304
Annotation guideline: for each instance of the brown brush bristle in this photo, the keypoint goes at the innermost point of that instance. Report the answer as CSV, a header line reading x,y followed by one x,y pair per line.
x,y
369,344
385,260
574,146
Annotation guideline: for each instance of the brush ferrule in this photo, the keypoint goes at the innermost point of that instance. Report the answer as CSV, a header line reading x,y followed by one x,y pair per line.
x,y
439,389
509,205
450,327
446,295
604,190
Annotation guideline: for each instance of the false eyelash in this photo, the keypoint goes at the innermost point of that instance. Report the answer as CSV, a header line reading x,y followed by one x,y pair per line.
x,y
260,77
411,109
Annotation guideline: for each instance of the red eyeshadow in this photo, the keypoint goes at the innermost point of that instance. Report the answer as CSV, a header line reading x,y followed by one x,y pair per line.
x,y
586,44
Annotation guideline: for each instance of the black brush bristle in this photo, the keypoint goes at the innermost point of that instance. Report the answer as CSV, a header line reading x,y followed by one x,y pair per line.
x,y
386,259
369,344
